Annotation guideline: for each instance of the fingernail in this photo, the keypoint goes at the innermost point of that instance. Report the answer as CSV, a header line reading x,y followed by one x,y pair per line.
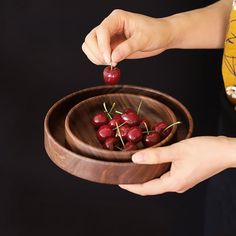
x,y
107,59
138,158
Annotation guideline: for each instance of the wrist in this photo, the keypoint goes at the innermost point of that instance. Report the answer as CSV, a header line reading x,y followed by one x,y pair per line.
x,y
175,24
164,33
231,143
226,154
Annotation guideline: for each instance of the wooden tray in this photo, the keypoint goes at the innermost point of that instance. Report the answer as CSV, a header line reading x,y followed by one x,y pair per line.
x,y
105,171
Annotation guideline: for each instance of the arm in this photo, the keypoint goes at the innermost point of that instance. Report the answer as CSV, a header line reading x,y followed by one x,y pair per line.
x,y
130,35
201,28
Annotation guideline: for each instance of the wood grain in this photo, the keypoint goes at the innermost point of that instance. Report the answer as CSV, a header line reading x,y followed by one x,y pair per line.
x,y
81,134
104,171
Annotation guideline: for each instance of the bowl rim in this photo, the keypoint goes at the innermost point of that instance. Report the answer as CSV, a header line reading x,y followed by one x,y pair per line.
x,y
49,137
101,151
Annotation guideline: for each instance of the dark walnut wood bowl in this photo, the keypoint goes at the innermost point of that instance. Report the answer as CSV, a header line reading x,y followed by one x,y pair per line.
x,y
81,134
99,171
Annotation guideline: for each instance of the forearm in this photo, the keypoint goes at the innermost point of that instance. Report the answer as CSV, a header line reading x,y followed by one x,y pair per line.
x,y
201,28
231,152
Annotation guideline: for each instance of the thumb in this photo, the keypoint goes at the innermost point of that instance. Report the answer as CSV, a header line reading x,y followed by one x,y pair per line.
x,y
124,49
154,155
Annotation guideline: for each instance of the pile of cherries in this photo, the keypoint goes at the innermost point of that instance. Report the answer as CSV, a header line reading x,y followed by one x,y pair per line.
x,y
127,130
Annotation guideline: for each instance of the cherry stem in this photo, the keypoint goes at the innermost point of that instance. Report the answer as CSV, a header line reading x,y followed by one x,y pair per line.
x,y
120,125
113,106
118,112
105,107
149,131
145,124
118,131
139,106
169,126
111,67
118,148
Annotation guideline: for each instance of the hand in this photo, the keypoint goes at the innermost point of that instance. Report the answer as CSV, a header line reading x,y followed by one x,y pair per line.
x,y
193,160
126,35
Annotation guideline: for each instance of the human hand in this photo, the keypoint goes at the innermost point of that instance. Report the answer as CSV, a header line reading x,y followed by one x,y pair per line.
x,y
126,35
193,160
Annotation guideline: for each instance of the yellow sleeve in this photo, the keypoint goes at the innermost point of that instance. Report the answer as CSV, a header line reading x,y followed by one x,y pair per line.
x,y
229,58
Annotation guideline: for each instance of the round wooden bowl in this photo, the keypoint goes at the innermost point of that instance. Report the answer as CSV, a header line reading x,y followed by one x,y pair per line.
x,y
81,134
105,171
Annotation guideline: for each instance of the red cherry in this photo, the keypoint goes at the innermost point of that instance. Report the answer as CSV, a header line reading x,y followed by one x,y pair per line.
x,y
124,131
151,139
131,118
127,110
110,143
159,128
111,75
144,124
99,119
134,134
129,146
104,132
115,120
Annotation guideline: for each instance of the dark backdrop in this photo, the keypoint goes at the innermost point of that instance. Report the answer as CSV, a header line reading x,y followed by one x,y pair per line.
x,y
41,61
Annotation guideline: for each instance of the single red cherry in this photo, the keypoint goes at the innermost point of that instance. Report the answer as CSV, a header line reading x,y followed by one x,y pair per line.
x,y
151,139
129,146
124,131
134,134
160,128
111,75
144,124
110,143
104,132
127,110
99,119
115,120
131,118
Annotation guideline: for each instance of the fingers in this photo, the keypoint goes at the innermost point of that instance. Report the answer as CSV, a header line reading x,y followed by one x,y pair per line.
x,y
125,49
103,40
141,54
91,56
157,186
155,155
90,48
153,187
111,26
121,35
97,45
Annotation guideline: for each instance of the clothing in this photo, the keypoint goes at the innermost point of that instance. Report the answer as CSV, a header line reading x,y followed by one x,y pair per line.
x,y
221,189
227,120
229,58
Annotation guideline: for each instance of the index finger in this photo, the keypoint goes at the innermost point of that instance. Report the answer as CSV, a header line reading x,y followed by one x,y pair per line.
x,y
109,27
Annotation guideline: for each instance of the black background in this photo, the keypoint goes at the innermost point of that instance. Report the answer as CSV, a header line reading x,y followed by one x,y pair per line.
x,y
42,61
